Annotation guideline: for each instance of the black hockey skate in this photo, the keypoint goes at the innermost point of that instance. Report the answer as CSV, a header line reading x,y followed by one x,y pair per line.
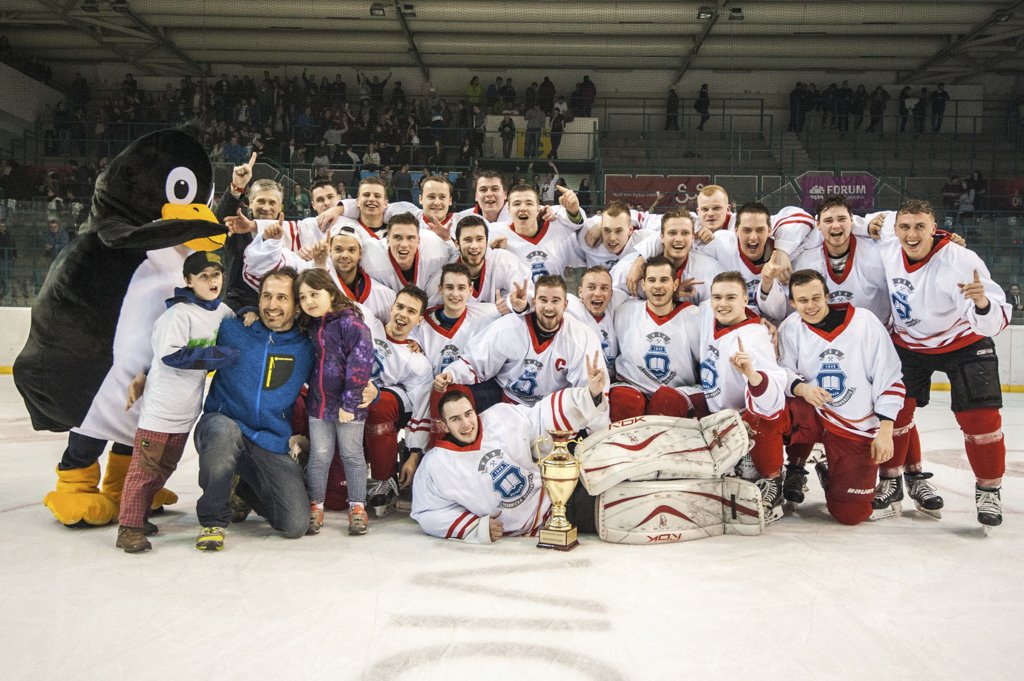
x,y
926,499
795,484
888,495
771,498
990,506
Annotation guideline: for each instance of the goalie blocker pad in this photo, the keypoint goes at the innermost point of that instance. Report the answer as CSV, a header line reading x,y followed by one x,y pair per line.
x,y
662,448
669,511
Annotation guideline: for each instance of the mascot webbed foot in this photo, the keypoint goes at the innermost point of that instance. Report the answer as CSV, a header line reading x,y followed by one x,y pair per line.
x,y
78,500
163,497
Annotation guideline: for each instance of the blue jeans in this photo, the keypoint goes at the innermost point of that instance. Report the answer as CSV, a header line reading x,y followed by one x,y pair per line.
x,y
323,434
275,479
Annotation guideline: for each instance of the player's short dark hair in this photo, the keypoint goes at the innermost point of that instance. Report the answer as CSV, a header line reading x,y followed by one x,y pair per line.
x,y
596,269
732,276
452,396
443,179
551,281
802,277
322,184
658,261
417,293
522,187
915,207
405,218
833,201
470,221
675,213
756,208
488,174
455,268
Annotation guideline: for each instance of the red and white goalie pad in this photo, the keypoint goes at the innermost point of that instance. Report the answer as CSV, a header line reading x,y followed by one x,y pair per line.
x,y
662,448
668,511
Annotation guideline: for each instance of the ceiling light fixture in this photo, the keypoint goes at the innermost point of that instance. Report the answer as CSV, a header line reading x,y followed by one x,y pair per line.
x,y
377,9
705,13
736,14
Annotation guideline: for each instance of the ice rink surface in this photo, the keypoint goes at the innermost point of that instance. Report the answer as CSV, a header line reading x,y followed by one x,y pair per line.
x,y
909,598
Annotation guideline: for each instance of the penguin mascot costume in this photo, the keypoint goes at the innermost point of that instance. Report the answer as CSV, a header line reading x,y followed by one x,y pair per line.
x,y
93,319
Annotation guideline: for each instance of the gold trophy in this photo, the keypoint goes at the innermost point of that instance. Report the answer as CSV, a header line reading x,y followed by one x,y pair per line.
x,y
559,472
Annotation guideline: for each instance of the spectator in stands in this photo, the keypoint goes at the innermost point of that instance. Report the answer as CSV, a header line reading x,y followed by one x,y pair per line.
x,y
530,97
1014,298
508,94
507,131
977,188
589,92
829,104
921,110
796,101
234,152
478,123
534,124
473,90
939,99
546,95
371,159
905,104
951,192
557,128
54,239
493,94
857,106
401,181
8,254
844,101
702,105
561,106
879,100
584,195
672,110
298,203
438,159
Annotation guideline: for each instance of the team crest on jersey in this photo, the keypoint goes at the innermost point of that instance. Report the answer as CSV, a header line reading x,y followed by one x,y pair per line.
x,y
657,363
900,296
832,378
380,351
526,385
507,479
752,287
709,373
449,353
538,264
839,297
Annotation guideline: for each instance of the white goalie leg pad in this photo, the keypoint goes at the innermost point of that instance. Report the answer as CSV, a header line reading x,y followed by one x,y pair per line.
x,y
662,448
668,511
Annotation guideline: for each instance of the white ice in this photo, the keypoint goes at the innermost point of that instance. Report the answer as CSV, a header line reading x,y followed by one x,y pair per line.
x,y
909,598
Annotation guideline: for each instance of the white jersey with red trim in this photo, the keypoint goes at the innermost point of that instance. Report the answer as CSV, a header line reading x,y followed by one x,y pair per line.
x,y
359,228
657,351
603,327
549,251
443,346
862,281
526,368
373,295
856,363
409,375
263,256
503,215
600,255
697,266
431,256
929,313
724,386
458,488
499,272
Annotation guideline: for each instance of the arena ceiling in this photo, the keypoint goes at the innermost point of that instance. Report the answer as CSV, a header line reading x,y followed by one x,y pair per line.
x,y
928,40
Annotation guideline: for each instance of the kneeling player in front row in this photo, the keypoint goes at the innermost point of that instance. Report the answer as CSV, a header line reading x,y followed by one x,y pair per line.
x,y
840,360
481,483
739,371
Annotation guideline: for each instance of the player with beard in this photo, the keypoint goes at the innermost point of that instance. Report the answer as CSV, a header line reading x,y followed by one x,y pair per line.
x,y
658,360
344,252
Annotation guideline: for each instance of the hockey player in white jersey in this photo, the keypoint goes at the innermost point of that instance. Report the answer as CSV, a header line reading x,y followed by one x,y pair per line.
x,y
840,360
659,351
595,306
618,236
345,251
491,198
367,215
546,247
739,371
403,378
407,257
481,482
493,271
529,356
945,311
694,271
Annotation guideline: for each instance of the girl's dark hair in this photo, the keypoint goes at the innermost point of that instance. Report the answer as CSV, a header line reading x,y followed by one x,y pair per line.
x,y
319,280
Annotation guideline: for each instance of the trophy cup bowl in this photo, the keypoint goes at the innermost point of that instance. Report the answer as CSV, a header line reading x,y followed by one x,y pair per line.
x,y
559,471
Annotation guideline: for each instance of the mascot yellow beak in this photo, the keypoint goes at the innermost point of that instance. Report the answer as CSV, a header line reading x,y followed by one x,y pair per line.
x,y
194,211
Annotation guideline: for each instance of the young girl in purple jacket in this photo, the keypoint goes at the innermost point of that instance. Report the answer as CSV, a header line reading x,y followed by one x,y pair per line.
x,y
343,363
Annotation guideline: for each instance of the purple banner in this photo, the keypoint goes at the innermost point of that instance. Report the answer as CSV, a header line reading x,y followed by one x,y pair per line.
x,y
859,190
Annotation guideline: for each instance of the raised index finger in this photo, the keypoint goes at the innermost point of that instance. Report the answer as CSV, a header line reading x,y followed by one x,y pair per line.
x,y
977,277
252,161
739,344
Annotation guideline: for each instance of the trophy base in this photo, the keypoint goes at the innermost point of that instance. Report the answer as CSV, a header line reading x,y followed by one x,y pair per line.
x,y
559,540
